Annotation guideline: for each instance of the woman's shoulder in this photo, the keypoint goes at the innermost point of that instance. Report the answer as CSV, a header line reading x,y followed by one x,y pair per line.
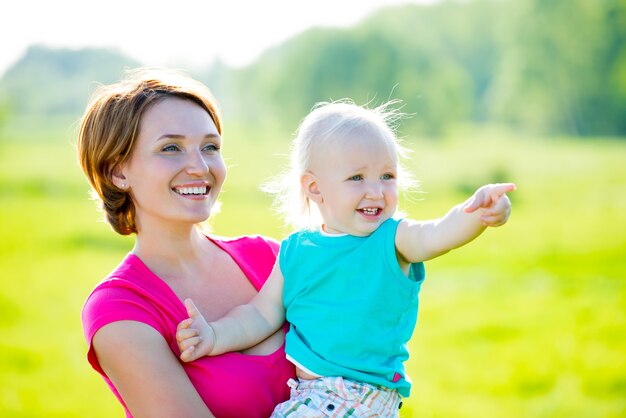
x,y
129,292
129,274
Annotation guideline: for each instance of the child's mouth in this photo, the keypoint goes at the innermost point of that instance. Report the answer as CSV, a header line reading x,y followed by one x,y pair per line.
x,y
370,211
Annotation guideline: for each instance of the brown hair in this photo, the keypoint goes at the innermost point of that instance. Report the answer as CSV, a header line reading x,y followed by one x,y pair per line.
x,y
110,125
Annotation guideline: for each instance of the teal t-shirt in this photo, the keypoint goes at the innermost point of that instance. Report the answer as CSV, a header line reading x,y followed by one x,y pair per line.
x,y
350,307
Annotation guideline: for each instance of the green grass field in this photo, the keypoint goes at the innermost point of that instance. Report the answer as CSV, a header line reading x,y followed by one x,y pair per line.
x,y
527,321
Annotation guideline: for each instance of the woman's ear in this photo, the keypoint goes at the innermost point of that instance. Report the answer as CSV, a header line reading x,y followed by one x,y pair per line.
x,y
309,185
118,178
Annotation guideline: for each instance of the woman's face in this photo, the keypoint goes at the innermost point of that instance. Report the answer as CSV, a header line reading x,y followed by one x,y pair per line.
x,y
176,169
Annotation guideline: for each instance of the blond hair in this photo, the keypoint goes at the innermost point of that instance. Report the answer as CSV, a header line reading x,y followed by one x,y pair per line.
x,y
328,120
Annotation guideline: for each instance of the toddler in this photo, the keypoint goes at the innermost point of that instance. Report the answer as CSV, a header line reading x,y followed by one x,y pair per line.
x,y
348,282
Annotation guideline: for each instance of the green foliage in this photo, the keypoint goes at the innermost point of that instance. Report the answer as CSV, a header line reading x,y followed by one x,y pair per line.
x,y
527,321
563,67
55,82
371,63
4,111
552,67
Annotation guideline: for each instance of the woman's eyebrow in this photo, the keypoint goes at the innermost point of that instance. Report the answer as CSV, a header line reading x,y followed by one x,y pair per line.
x,y
179,136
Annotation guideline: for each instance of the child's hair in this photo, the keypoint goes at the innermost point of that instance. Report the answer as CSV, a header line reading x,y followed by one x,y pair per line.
x,y
328,120
110,125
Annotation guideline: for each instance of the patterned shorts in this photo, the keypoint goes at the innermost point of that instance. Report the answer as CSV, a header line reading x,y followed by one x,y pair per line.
x,y
336,397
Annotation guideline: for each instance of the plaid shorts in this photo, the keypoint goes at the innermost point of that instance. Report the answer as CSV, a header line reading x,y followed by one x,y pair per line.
x,y
336,397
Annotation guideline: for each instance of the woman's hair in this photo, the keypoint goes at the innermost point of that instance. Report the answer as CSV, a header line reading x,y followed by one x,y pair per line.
x,y
328,120
111,123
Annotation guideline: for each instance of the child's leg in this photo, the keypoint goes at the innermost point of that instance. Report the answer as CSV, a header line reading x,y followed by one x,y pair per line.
x,y
335,397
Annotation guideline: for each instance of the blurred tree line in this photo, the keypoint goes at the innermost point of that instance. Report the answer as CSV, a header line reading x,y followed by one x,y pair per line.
x,y
55,82
554,67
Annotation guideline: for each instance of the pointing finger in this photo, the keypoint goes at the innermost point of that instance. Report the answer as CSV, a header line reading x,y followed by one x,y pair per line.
x,y
497,190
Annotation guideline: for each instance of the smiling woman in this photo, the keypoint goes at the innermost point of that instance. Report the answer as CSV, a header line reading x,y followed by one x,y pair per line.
x,y
136,111
179,145
150,147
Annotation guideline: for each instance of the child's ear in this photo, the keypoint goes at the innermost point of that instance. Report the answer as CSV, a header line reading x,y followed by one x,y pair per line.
x,y
308,182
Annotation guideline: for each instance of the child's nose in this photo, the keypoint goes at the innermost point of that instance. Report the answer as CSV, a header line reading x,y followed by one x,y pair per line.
x,y
374,190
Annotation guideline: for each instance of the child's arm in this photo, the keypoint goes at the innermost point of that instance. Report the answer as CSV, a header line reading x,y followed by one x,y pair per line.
x,y
242,327
423,240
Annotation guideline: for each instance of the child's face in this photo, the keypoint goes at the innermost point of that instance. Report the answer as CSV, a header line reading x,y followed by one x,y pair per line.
x,y
355,179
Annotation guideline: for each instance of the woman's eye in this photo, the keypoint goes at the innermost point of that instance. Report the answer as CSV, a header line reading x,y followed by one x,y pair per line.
x,y
211,148
170,148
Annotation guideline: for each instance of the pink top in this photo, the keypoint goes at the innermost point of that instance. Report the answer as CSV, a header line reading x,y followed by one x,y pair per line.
x,y
233,384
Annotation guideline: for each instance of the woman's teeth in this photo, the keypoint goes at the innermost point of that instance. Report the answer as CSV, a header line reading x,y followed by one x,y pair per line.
x,y
191,190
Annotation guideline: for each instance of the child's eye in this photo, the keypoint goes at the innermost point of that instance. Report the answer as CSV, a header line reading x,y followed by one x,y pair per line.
x,y
387,176
356,177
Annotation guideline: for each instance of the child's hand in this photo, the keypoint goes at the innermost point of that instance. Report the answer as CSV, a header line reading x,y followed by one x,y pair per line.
x,y
194,335
495,204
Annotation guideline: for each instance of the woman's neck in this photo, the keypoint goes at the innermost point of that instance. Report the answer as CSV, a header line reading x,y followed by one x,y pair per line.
x,y
174,247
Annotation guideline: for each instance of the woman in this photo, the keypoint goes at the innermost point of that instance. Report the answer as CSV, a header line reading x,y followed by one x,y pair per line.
x,y
150,147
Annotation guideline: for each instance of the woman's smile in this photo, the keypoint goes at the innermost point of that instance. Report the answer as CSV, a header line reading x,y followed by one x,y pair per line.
x,y
193,191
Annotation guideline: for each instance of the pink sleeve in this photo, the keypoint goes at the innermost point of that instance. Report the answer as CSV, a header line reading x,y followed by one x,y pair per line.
x,y
232,384
116,300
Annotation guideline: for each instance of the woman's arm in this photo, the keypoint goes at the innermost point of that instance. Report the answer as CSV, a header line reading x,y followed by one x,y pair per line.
x,y
423,240
242,327
146,373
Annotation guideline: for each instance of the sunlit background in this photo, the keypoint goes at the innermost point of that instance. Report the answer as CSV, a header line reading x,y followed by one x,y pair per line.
x,y
528,321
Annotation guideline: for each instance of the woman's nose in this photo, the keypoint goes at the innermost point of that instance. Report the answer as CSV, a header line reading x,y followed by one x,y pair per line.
x,y
197,164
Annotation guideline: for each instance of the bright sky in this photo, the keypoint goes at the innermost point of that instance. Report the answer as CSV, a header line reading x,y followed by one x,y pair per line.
x,y
187,33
